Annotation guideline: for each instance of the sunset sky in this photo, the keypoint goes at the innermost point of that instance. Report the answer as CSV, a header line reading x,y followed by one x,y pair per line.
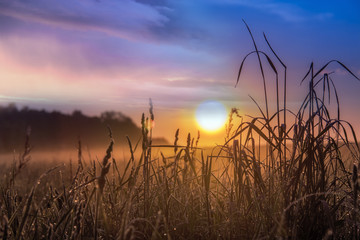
x,y
116,54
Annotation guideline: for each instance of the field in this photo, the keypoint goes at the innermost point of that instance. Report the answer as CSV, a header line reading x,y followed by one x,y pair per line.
x,y
287,174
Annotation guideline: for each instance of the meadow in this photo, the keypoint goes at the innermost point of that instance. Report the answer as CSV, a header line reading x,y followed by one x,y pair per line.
x,y
286,174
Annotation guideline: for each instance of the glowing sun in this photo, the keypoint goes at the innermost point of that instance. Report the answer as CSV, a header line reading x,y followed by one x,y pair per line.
x,y
211,115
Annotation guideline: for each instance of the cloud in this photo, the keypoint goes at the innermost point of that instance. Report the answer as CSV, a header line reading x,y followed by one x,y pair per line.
x,y
126,18
168,97
151,22
153,2
20,99
288,11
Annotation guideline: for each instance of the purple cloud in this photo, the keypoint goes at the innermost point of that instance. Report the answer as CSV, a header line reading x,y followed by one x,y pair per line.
x,y
127,19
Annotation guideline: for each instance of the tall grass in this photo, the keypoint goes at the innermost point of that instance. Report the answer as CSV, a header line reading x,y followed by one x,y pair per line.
x,y
282,174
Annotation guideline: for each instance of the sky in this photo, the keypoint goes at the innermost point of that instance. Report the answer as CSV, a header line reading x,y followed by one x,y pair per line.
x,y
99,55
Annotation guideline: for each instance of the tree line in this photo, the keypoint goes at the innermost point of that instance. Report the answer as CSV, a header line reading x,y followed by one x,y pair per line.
x,y
56,130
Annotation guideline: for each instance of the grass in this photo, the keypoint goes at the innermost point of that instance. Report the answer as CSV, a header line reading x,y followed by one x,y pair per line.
x,y
278,175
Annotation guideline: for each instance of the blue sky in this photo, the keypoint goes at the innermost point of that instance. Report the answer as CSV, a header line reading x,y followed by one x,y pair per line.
x,y
107,54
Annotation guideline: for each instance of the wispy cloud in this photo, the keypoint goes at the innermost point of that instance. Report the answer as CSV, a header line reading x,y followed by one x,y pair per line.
x,y
21,99
288,11
127,18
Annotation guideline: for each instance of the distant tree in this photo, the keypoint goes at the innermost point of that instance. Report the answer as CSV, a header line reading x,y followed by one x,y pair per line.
x,y
112,115
25,109
11,108
77,113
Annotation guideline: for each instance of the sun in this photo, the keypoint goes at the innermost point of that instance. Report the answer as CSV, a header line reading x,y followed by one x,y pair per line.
x,y
211,115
